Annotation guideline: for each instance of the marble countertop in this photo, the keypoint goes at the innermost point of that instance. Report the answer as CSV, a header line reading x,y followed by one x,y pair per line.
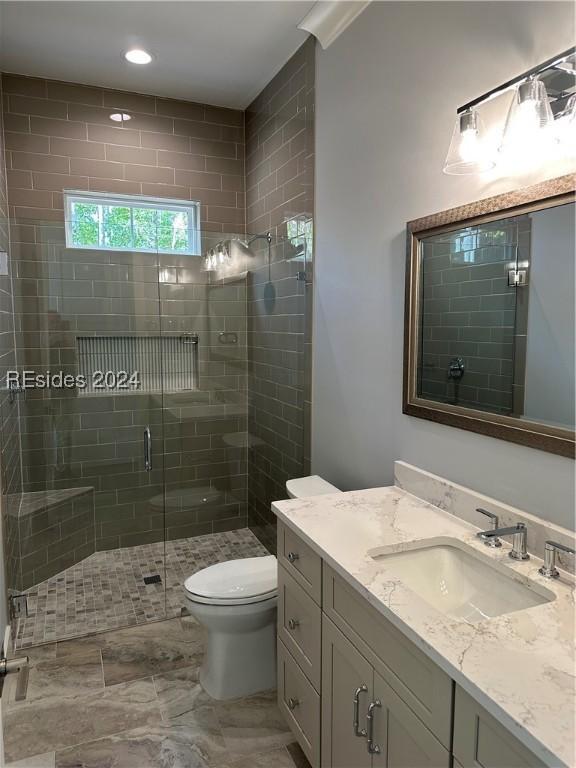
x,y
519,666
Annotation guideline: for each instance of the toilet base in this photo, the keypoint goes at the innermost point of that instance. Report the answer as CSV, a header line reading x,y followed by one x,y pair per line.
x,y
239,664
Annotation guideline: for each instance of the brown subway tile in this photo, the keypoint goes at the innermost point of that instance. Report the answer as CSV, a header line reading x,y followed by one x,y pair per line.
x,y
115,186
48,126
224,116
90,114
31,198
232,216
17,123
27,142
40,214
77,148
27,161
198,179
166,190
99,168
135,155
58,181
41,107
215,197
130,102
224,165
166,141
25,86
197,129
184,109
156,123
234,183
20,179
80,94
111,135
181,161
212,148
58,200
232,133
149,173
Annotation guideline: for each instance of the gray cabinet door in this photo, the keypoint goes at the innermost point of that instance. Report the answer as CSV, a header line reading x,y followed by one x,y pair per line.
x,y
344,670
403,741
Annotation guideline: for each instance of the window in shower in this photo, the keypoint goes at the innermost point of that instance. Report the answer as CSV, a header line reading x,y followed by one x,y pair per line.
x,y
132,223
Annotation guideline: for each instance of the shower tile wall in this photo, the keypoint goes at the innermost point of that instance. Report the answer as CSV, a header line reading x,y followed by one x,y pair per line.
x,y
11,480
59,136
470,311
279,189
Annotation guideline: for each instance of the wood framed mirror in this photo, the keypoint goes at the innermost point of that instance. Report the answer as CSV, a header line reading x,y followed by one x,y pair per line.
x,y
489,342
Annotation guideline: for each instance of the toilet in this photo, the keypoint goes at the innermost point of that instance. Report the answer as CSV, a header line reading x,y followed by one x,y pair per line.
x,y
235,602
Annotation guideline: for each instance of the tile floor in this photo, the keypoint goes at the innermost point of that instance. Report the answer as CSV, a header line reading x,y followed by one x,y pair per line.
x,y
130,698
107,590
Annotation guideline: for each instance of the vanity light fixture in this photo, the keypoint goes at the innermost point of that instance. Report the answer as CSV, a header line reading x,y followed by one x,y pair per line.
x,y
467,152
532,122
120,117
138,56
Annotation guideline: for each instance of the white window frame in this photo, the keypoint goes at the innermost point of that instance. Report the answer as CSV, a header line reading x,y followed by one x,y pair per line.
x,y
191,207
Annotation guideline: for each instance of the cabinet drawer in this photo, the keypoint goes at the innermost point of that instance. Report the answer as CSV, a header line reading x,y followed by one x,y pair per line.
x,y
300,704
299,625
480,740
425,688
301,562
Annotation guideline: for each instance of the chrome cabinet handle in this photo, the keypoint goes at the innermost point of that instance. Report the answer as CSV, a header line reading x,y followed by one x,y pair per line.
x,y
147,450
292,703
360,733
293,556
293,623
373,749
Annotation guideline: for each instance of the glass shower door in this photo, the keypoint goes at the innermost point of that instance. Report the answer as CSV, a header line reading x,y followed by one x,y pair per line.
x,y
87,536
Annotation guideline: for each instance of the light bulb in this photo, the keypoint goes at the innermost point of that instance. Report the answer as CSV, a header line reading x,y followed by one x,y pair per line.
x,y
138,56
468,151
528,133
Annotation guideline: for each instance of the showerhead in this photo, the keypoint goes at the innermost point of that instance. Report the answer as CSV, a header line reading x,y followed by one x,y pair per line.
x,y
248,243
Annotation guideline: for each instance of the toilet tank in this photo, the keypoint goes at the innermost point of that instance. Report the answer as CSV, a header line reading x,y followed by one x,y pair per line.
x,y
313,485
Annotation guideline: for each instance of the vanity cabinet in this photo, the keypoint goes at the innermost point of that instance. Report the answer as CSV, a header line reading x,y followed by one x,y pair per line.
x,y
337,656
480,740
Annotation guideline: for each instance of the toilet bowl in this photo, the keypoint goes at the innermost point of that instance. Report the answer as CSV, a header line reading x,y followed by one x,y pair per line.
x,y
235,601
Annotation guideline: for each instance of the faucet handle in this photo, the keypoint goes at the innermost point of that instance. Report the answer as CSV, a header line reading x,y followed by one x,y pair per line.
x,y
549,570
493,541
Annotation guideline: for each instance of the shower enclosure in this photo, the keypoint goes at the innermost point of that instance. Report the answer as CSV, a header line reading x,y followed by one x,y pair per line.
x,y
135,460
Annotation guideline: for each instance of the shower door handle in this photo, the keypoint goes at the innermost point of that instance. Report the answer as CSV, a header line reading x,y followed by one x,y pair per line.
x,y
147,450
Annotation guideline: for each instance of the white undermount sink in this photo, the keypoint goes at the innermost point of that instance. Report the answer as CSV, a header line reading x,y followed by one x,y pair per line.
x,y
456,581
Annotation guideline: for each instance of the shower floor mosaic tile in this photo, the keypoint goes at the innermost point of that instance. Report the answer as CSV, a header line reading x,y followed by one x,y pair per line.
x,y
107,590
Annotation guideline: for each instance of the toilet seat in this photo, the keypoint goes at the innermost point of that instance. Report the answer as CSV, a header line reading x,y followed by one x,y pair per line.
x,y
235,582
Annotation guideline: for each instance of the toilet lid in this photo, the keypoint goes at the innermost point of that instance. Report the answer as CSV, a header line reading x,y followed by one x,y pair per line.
x,y
235,582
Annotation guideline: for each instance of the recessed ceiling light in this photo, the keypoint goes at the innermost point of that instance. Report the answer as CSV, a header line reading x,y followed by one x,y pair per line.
x,y
120,117
138,56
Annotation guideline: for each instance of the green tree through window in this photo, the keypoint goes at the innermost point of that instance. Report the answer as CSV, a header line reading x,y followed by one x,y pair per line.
x,y
132,223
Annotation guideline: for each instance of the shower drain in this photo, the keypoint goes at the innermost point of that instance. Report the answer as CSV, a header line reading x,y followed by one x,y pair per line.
x,y
156,579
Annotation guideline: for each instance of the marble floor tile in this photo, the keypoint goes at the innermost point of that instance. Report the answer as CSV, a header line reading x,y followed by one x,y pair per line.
x,y
159,746
277,758
151,649
180,692
47,760
52,724
253,724
58,678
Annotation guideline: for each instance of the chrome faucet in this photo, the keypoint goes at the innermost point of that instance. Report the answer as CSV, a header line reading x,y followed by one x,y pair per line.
x,y
493,541
549,569
518,533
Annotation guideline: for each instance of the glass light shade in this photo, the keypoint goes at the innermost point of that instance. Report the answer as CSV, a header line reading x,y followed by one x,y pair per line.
x,y
468,152
530,121
565,124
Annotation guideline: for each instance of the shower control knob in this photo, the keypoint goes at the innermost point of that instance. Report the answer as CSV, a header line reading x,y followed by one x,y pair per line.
x,y
292,703
293,556
293,623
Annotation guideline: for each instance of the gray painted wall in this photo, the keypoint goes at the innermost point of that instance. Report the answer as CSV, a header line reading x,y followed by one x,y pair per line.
x,y
387,91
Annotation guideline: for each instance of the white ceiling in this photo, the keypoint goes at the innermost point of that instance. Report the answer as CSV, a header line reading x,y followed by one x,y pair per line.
x,y
220,53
